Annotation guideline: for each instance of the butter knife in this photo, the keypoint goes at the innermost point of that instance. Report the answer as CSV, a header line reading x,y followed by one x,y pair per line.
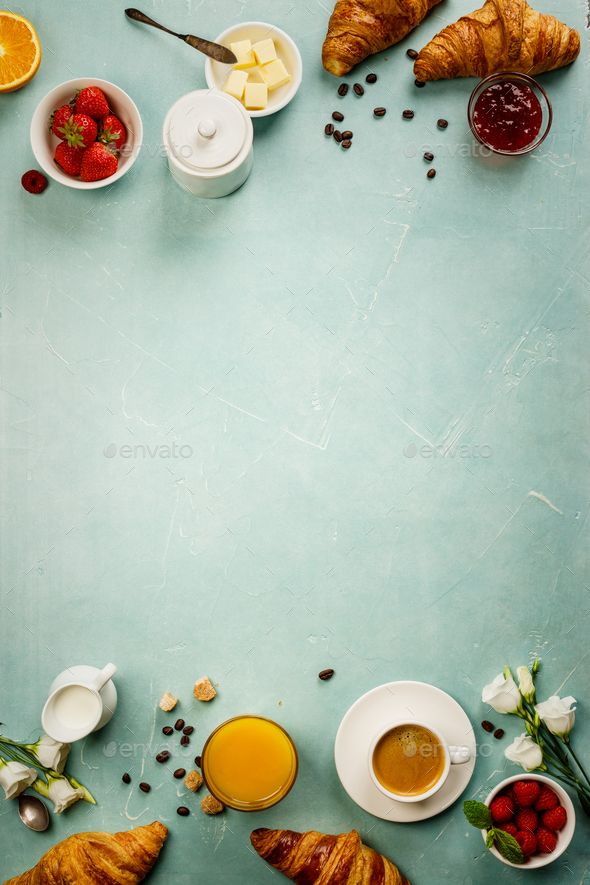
x,y
214,50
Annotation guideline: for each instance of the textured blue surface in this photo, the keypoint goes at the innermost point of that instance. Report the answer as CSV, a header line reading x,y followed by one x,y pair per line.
x,y
381,386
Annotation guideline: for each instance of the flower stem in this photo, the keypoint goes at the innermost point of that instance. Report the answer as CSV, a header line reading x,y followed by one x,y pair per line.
x,y
577,761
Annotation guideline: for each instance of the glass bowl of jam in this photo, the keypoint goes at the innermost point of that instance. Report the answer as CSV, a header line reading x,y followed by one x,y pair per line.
x,y
510,113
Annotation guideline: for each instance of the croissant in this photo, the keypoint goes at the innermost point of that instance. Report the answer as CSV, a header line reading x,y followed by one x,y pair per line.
x,y
359,28
98,859
314,859
504,35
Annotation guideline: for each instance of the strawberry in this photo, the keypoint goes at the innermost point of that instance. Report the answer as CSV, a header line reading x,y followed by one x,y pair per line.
x,y
547,800
112,131
59,118
546,840
92,101
526,793
34,182
510,828
527,820
69,158
527,842
555,819
80,131
501,809
98,162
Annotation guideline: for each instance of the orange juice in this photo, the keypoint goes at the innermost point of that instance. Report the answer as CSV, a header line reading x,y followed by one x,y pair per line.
x,y
249,763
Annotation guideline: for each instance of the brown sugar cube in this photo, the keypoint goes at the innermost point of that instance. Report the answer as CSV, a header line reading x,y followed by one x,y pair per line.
x,y
194,781
211,805
168,702
203,690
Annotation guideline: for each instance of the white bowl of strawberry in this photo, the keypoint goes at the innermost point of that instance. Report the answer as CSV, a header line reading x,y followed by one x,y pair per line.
x,y
86,133
538,813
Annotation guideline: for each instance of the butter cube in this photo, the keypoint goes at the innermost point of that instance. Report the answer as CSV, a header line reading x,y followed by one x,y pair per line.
x,y
243,52
256,96
275,74
235,84
264,51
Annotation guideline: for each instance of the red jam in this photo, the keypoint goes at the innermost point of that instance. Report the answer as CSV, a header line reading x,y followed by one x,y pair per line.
x,y
508,116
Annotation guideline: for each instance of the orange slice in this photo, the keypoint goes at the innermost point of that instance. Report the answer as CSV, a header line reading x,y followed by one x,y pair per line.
x,y
20,51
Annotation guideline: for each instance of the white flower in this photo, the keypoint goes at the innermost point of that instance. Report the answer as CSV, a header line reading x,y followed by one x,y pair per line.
x,y
502,694
50,753
525,752
15,778
526,686
62,794
558,714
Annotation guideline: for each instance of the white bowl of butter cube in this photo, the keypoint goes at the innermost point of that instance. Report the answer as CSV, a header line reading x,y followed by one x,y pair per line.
x,y
268,71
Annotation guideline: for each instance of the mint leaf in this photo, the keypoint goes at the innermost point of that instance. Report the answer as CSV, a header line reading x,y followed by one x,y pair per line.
x,y
477,814
508,846
490,838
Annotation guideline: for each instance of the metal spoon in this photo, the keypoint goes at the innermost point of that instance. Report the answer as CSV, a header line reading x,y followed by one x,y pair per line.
x,y
215,50
33,813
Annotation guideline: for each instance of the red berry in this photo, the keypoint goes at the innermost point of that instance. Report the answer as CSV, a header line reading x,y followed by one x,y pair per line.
x,y
59,118
527,842
527,820
69,158
526,793
546,840
80,131
555,819
112,131
547,800
92,101
501,809
98,162
34,182
510,828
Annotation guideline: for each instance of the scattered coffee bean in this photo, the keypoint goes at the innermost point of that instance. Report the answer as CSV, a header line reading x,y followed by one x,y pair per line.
x,y
428,156
179,773
329,129
411,53
379,112
126,778
499,734
179,724
358,89
408,114
442,123
337,135
487,725
183,811
185,740
145,788
326,674
188,729
167,730
343,89
419,83
198,761
431,173
371,78
338,116
346,144
162,757
347,135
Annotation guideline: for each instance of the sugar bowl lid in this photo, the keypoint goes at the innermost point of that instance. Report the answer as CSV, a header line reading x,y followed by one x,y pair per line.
x,y
207,130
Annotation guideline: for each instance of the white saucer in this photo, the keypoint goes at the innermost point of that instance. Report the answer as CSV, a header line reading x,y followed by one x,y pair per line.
x,y
373,712
83,673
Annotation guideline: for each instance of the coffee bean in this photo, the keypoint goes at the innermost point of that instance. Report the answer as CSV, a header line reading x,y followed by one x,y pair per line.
x,y
329,129
179,724
358,89
487,725
179,773
379,112
145,788
338,116
188,729
162,757
337,135
185,740
411,53
429,158
419,83
347,135
431,173
326,674
126,778
167,730
343,89
198,761
183,811
346,144
371,78
442,123
408,114
499,734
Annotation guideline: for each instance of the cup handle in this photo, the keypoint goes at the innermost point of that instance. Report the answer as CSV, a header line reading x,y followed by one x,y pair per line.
x,y
459,755
103,677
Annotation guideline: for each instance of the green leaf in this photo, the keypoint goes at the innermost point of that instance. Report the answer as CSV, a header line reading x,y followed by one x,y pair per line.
x,y
477,814
508,846
490,838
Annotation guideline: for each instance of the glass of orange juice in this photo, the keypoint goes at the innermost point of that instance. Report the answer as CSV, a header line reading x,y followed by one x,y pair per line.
x,y
249,763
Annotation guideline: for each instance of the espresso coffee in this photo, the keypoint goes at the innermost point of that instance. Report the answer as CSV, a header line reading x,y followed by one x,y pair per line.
x,y
409,760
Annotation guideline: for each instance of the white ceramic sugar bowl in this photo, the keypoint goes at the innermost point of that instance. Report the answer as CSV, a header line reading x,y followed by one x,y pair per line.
x,y
208,140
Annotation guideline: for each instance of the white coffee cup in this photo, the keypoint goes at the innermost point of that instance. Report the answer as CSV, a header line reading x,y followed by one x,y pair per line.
x,y
75,706
453,755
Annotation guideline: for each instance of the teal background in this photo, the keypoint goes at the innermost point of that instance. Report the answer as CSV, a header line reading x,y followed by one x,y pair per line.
x,y
373,373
